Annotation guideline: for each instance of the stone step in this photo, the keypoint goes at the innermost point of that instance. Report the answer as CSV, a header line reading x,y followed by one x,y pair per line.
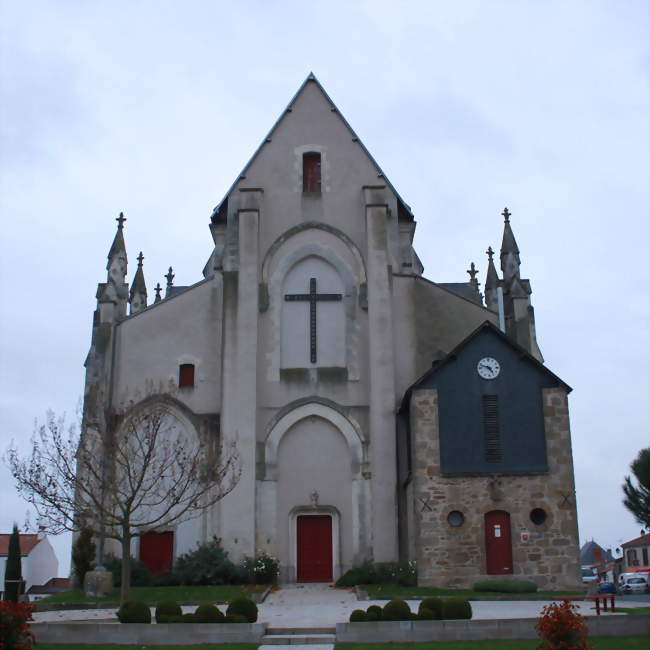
x,y
298,639
301,630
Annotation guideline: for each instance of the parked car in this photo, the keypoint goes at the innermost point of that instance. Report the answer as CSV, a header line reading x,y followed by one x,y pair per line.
x,y
606,588
636,585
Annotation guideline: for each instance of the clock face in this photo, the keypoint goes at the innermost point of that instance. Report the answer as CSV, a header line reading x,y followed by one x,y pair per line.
x,y
488,368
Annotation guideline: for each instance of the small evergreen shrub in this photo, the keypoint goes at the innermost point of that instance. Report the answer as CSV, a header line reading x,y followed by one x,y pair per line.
x,y
372,616
367,573
243,607
375,609
188,618
134,611
456,608
207,564
208,614
262,569
140,576
426,614
83,556
433,605
167,608
235,619
396,610
358,616
173,619
506,586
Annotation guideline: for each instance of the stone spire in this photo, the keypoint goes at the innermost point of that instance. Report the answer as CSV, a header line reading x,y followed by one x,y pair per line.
x,y
114,293
170,282
138,294
491,283
510,261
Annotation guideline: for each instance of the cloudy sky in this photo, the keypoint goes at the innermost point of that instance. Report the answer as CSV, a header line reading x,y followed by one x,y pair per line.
x,y
153,107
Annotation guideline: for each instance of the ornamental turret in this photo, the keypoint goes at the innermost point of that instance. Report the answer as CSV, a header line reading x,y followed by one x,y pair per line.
x,y
138,293
491,283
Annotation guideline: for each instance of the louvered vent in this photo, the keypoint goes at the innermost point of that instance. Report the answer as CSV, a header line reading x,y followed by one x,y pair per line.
x,y
491,429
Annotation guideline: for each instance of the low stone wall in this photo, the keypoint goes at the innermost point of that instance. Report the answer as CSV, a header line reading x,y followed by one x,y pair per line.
x,y
515,628
154,634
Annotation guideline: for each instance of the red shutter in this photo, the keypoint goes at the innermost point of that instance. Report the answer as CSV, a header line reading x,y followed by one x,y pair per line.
x,y
311,172
186,375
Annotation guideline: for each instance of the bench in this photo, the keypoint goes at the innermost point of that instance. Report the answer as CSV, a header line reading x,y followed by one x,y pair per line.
x,y
596,598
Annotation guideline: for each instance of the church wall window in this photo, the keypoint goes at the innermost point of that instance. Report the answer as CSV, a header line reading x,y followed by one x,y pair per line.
x,y
186,375
491,429
311,172
538,516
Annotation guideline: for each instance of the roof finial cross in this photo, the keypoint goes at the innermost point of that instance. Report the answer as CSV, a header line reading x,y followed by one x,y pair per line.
x,y
157,289
490,253
472,271
120,221
140,258
506,215
170,277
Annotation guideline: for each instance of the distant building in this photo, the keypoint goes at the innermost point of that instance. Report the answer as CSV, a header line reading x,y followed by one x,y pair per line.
x,y
636,554
38,560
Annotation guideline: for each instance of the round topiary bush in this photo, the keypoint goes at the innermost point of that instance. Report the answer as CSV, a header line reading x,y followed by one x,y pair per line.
x,y
425,614
375,609
208,614
432,605
167,608
372,616
235,619
134,611
358,616
175,619
396,610
188,618
455,608
243,607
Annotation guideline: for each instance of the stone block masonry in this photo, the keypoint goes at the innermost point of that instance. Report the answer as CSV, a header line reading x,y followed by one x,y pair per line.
x,y
545,552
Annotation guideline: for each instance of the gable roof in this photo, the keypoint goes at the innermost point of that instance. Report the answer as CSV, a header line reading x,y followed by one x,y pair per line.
x,y
27,543
593,553
404,210
637,541
486,325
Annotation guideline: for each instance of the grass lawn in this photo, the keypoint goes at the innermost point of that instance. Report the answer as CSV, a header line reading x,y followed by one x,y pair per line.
x,y
633,610
221,593
396,591
131,646
599,643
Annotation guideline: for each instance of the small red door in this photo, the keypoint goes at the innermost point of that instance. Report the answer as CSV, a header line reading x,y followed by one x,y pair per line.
x,y
314,548
157,552
498,544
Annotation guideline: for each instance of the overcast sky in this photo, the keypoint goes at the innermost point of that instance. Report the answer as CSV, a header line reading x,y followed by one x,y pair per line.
x,y
153,108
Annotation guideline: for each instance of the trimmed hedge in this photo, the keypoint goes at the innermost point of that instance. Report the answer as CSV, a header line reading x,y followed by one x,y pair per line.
x,y
243,607
506,586
134,611
456,608
376,610
208,614
433,607
167,608
358,616
396,610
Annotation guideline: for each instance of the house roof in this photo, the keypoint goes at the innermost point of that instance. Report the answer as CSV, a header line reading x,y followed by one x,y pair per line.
x,y
27,543
486,325
404,209
637,541
593,553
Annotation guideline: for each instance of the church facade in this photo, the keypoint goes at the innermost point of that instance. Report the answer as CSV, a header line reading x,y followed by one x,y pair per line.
x,y
378,414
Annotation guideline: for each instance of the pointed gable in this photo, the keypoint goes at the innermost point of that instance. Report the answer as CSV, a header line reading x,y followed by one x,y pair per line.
x,y
311,118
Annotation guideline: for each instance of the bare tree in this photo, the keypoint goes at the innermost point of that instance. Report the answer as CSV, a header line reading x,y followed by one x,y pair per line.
x,y
128,473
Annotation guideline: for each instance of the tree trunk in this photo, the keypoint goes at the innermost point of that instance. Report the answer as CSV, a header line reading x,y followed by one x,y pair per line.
x,y
126,564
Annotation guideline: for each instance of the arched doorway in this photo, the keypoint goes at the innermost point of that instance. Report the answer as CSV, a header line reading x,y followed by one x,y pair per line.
x,y
498,543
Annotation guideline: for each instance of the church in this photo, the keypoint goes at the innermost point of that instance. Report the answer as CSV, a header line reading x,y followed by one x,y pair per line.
x,y
379,415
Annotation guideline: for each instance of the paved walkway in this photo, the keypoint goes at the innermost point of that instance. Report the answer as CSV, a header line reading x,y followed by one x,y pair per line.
x,y
318,605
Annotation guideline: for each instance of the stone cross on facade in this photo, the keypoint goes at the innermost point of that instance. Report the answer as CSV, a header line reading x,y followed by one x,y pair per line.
x,y
506,215
120,220
312,298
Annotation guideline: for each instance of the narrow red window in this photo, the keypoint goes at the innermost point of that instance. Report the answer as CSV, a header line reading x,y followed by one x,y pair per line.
x,y
186,375
311,172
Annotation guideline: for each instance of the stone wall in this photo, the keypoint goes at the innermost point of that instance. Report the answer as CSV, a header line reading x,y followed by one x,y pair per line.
x,y
450,556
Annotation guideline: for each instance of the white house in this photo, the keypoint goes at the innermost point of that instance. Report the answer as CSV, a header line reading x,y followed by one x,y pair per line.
x,y
38,560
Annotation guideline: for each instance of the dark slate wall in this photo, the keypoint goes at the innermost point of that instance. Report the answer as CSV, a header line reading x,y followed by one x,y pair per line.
x,y
521,421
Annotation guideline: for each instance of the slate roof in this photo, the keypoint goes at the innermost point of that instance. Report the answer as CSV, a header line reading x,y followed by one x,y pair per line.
x,y
462,289
405,210
27,543
593,553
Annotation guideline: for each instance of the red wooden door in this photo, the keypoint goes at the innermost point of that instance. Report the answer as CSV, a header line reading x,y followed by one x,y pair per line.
x,y
157,552
498,543
314,548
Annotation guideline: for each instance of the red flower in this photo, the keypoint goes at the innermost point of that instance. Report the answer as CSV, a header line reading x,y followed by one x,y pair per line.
x,y
14,629
562,628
